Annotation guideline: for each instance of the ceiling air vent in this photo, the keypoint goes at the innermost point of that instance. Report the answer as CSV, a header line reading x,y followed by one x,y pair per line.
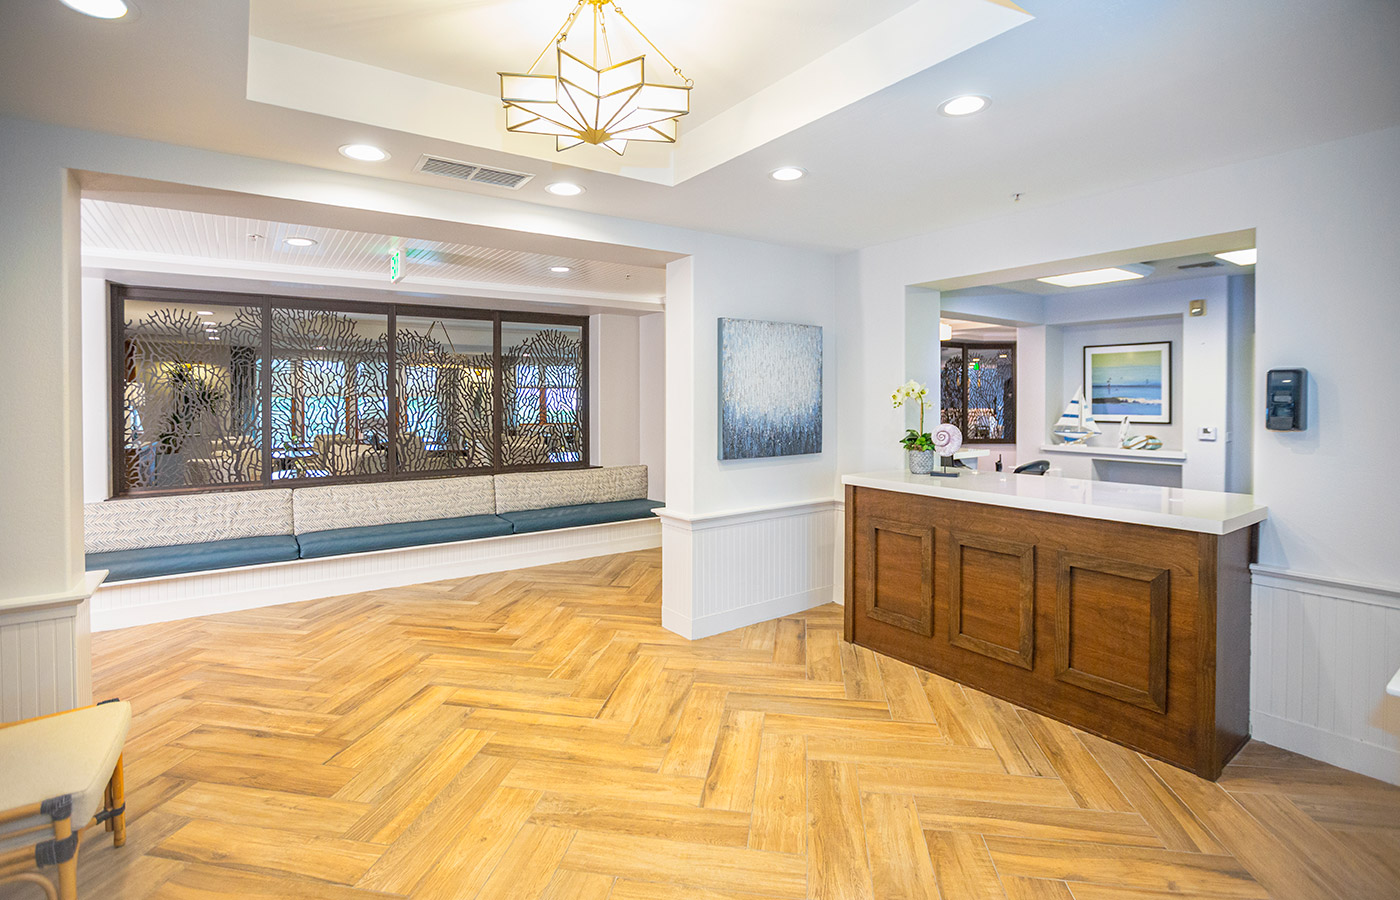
x,y
1210,264
465,171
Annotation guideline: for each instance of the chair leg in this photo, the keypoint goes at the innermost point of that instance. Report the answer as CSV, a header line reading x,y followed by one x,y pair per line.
x,y
117,788
67,871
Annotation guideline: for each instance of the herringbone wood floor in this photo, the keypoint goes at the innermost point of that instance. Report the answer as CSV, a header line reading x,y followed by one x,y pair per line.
x,y
536,734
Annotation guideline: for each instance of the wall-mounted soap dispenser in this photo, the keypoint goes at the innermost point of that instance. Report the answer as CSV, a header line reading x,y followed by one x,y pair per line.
x,y
1287,400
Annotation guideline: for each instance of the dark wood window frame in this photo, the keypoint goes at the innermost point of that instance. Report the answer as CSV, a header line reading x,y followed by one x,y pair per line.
x,y
1009,437
121,364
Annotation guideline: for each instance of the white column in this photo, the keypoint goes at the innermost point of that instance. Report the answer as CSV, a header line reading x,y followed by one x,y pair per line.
x,y
44,663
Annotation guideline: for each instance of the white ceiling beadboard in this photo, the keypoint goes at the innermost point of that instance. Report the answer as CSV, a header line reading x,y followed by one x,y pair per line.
x,y
112,229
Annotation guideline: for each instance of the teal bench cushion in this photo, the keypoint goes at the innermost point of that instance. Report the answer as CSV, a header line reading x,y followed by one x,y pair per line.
x,y
527,520
365,538
149,562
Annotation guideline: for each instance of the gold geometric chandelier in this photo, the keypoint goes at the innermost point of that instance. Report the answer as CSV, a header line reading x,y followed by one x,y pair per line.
x,y
601,102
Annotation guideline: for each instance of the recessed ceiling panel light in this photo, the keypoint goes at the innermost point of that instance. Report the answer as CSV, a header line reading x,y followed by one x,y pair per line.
x,y
205,312
1240,257
1098,276
364,152
788,173
299,242
560,270
564,189
965,105
98,9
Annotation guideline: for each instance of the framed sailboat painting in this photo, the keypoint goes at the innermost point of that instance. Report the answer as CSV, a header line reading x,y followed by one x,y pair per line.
x,y
1133,380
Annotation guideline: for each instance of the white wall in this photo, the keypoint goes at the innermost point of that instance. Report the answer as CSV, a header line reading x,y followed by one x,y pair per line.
x,y
1326,219
40,550
651,400
614,422
1243,406
97,399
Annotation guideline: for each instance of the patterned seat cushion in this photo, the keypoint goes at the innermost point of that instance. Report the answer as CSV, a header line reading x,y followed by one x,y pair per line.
x,y
332,507
527,520
546,490
187,519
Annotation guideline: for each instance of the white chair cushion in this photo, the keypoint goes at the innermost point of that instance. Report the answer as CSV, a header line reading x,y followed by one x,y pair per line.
x,y
350,505
73,753
542,490
187,519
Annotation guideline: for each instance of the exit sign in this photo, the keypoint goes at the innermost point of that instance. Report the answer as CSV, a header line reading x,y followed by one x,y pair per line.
x,y
395,266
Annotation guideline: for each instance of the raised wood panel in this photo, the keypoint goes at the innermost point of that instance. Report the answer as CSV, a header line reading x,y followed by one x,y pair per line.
x,y
899,575
991,597
1111,628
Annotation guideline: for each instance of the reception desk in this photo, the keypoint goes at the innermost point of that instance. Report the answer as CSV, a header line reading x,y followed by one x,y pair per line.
x,y
1119,609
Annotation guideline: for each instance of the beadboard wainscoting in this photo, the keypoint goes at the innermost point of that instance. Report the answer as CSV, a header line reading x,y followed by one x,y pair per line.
x,y
722,571
46,653
1322,653
173,597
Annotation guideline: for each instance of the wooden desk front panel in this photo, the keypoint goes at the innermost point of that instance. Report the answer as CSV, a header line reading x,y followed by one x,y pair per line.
x,y
1106,626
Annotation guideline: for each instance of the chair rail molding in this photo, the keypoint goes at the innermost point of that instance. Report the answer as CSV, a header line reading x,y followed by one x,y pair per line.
x,y
46,650
1323,650
730,569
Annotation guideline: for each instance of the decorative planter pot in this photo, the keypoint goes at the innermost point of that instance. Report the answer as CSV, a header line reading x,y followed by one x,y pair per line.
x,y
922,462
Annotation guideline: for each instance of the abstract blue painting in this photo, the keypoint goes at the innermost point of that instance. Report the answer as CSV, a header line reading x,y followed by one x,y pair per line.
x,y
770,389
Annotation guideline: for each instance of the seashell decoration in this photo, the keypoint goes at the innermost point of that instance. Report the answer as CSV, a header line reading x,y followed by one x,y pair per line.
x,y
1142,442
947,439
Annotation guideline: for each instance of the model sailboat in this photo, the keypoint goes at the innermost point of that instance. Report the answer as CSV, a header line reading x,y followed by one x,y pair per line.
x,y
1076,425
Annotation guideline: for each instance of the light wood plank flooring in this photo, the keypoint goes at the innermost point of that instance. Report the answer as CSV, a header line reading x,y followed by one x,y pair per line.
x,y
537,734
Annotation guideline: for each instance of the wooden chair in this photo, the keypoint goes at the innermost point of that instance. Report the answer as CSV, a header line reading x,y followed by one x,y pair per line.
x,y
59,775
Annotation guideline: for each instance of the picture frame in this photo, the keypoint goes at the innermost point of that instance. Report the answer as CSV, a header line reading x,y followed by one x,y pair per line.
x,y
770,389
1133,380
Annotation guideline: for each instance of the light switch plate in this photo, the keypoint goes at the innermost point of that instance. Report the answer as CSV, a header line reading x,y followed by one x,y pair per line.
x,y
1206,433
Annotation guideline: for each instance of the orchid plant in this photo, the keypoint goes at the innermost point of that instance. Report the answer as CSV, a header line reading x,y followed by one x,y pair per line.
x,y
913,392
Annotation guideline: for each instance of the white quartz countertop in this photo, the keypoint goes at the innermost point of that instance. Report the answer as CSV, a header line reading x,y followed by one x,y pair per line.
x,y
1206,512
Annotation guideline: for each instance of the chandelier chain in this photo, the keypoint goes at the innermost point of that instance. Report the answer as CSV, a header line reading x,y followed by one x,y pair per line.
x,y
675,68
560,35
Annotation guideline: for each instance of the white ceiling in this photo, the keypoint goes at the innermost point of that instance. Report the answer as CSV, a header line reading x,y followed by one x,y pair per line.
x,y
122,234
1177,268
725,46
1089,96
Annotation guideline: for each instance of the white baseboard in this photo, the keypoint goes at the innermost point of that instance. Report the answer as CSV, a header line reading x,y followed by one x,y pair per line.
x,y
1321,653
1368,759
720,622
172,597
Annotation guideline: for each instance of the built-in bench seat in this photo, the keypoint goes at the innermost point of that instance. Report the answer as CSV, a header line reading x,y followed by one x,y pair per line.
x,y
149,537
131,538
541,501
357,518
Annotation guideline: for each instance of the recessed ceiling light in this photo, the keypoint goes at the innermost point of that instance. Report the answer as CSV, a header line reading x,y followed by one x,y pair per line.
x,y
205,312
965,105
364,152
1098,276
299,242
564,189
560,270
1240,257
213,337
788,173
98,9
